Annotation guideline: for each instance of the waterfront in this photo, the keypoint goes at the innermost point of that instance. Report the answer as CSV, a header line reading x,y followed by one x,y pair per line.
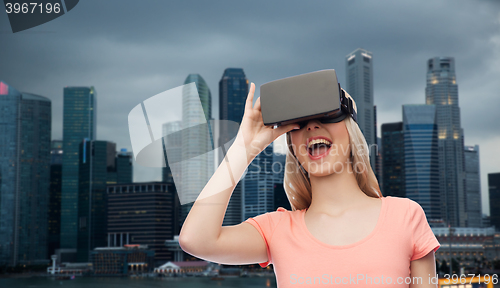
x,y
125,282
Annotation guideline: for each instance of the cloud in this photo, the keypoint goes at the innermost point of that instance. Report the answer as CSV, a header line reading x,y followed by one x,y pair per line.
x,y
132,50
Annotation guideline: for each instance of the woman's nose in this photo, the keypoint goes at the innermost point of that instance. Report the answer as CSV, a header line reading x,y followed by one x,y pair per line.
x,y
312,124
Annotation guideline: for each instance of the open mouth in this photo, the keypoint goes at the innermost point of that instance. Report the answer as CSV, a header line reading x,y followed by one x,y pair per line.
x,y
318,148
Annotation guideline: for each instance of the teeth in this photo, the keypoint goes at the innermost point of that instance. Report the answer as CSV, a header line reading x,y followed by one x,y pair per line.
x,y
316,141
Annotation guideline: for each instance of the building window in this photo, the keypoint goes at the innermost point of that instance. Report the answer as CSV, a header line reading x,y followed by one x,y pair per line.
x,y
83,223
236,84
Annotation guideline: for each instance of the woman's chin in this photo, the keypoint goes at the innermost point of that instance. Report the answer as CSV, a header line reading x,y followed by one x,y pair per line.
x,y
325,168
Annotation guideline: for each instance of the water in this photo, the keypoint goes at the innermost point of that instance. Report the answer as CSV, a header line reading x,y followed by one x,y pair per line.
x,y
109,282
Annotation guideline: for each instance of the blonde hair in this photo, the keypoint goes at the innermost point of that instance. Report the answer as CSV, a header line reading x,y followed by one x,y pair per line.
x,y
297,184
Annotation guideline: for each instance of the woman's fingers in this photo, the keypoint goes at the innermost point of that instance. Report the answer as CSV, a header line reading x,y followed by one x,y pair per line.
x,y
257,105
283,129
249,102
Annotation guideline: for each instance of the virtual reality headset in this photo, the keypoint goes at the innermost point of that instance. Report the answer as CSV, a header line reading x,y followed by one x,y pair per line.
x,y
299,99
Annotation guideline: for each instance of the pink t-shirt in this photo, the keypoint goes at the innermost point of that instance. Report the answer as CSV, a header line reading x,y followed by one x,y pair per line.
x,y
401,235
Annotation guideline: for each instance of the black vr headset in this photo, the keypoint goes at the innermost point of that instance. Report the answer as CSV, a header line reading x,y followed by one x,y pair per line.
x,y
299,99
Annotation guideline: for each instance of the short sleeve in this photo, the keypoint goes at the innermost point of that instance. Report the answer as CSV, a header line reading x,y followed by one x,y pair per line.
x,y
266,224
423,239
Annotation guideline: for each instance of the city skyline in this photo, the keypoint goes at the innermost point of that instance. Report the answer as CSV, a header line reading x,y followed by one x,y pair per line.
x,y
130,64
25,124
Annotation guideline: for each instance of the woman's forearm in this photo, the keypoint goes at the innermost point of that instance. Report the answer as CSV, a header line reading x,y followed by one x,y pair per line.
x,y
203,224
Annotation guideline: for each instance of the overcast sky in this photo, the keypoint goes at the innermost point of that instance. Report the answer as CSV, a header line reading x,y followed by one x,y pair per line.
x,y
132,50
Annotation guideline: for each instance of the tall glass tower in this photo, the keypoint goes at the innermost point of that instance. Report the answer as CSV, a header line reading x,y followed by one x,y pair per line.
x,y
359,84
258,185
421,160
494,197
56,154
233,92
25,129
79,122
442,91
473,186
95,157
393,160
195,174
174,143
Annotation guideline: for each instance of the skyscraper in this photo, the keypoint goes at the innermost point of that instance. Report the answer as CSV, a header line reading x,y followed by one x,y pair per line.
x,y
124,169
197,166
119,167
377,149
494,195
421,157
472,187
174,144
442,91
94,161
393,160
233,92
79,122
56,154
278,167
359,84
25,128
258,185
378,163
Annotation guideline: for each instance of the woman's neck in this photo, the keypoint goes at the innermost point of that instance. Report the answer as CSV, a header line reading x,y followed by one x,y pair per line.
x,y
336,192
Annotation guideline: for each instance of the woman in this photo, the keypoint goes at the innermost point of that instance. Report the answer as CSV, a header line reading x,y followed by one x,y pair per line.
x,y
341,231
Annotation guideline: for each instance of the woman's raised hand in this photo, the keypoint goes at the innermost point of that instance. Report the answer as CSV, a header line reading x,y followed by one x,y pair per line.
x,y
253,135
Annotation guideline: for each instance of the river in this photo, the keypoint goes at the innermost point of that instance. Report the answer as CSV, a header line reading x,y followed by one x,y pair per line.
x,y
118,282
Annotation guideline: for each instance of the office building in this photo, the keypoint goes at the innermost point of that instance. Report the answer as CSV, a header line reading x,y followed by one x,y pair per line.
x,y
197,165
494,195
393,160
233,92
472,187
56,155
359,84
95,158
258,185
278,167
172,141
122,261
124,169
485,221
421,162
143,214
377,149
280,198
442,91
25,129
378,163
120,168
470,247
79,122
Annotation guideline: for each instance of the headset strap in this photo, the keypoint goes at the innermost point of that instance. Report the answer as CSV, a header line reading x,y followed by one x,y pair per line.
x,y
346,105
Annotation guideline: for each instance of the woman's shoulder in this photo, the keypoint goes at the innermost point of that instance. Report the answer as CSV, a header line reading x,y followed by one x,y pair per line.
x,y
399,202
402,210
282,213
272,216
281,209
403,203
